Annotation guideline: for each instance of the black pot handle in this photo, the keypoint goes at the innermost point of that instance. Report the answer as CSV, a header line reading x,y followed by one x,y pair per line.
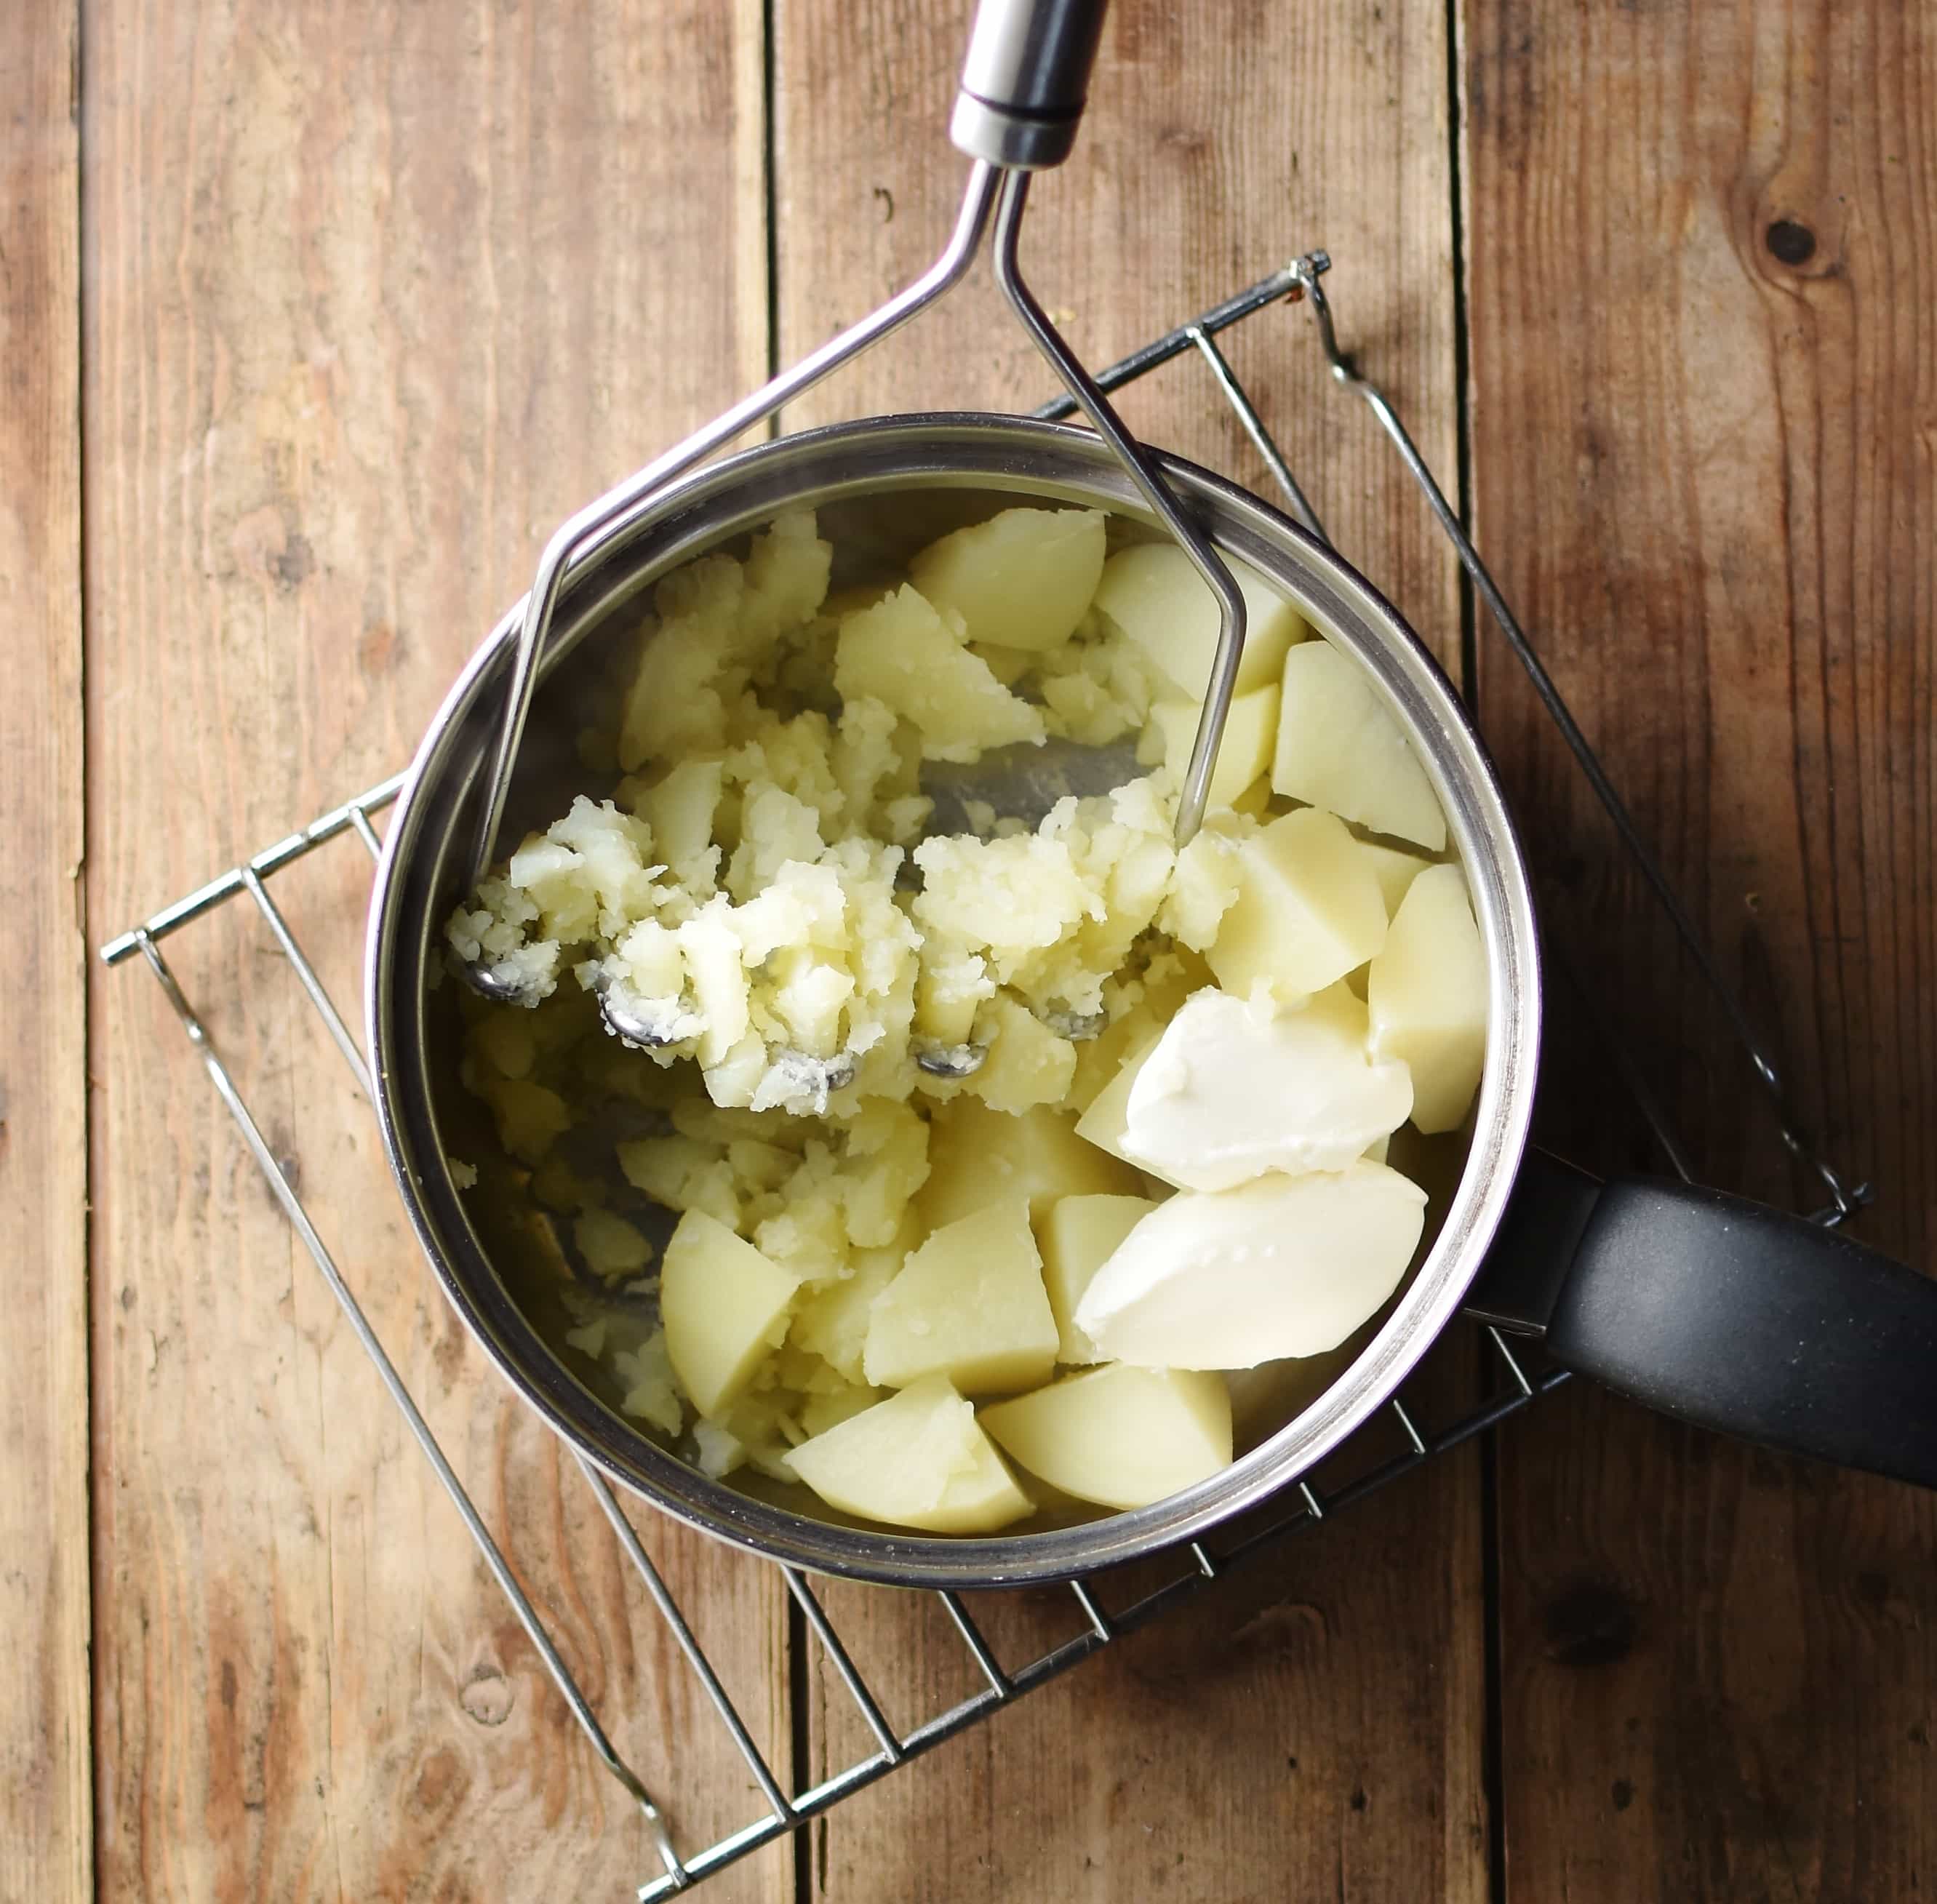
x,y
1722,1311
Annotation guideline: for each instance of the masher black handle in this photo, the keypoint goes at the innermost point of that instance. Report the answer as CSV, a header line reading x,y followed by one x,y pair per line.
x,y
1724,1312
1025,80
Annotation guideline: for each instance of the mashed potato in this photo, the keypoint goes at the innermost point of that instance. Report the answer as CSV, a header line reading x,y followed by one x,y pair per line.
x,y
752,898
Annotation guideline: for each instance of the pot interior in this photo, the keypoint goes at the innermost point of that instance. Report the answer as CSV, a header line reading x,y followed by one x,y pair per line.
x,y
499,1251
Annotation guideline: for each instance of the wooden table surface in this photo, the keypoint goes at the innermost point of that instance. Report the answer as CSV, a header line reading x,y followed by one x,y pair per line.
x,y
315,319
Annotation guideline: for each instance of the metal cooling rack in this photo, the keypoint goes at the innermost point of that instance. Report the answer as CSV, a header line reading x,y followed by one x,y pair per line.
x,y
1515,1383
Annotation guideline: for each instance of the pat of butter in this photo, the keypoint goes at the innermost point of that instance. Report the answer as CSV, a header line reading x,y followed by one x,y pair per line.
x,y
1234,1089
1284,1266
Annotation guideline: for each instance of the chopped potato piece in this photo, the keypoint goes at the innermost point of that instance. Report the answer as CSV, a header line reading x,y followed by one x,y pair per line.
x,y
953,985
1204,881
1108,1116
1340,748
679,1173
1028,1064
725,1305
505,1041
1077,1239
902,652
1243,752
1008,666
833,1321
679,808
1394,871
918,1459
977,1156
821,1412
1022,579
649,1391
1427,994
970,1304
611,1247
1118,1435
1307,909
530,1118
885,1162
1165,608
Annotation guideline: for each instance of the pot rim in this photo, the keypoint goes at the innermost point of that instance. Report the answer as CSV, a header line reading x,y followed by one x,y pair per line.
x,y
962,450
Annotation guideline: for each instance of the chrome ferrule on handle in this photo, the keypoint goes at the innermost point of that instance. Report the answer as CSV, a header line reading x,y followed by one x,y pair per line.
x,y
1025,80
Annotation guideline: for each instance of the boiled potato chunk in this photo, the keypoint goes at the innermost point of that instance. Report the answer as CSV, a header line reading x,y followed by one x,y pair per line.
x,y
1028,1064
725,1308
1255,801
918,1459
977,1156
823,1410
903,652
1020,580
1339,748
1308,910
1108,1116
680,809
1282,1266
833,1321
1243,752
1427,992
1121,1436
1394,871
970,1304
1078,1237
610,1246
1204,881
505,1042
1166,610
530,1118
1008,666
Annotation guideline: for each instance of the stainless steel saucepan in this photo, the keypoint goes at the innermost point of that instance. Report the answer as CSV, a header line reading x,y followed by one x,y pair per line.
x,y
1714,1309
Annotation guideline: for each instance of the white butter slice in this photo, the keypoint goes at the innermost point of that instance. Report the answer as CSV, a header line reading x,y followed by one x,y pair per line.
x,y
1284,1266
1234,1089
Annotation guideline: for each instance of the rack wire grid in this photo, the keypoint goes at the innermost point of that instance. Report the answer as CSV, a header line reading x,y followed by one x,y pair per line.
x,y
1514,1383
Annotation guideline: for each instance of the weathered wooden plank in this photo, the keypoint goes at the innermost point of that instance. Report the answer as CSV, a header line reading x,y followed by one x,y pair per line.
x,y
1319,1725
377,296
1701,282
46,1835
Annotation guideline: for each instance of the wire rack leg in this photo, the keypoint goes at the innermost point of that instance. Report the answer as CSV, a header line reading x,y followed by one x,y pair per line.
x,y
669,1610
226,1088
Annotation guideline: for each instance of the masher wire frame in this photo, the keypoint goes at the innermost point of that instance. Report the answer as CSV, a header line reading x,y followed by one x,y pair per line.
x,y
1302,1506
993,193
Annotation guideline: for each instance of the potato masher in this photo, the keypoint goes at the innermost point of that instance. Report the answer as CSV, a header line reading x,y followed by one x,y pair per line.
x,y
1021,97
